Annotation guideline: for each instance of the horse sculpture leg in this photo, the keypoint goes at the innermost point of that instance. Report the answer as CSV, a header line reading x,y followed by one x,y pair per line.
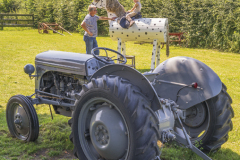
x,y
124,48
153,54
158,53
119,48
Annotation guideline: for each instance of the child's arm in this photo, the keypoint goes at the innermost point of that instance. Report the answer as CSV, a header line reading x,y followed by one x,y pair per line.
x,y
135,6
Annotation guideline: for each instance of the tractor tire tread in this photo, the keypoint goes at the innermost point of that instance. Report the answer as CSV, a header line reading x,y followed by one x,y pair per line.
x,y
139,110
32,115
34,118
223,123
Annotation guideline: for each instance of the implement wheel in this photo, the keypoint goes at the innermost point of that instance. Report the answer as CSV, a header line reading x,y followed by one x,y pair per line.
x,y
22,118
209,122
40,28
113,120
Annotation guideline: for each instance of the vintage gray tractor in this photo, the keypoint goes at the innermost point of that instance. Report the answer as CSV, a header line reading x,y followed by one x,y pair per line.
x,y
119,113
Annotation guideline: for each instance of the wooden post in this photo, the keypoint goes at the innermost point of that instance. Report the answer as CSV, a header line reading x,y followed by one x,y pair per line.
x,y
1,19
17,19
33,20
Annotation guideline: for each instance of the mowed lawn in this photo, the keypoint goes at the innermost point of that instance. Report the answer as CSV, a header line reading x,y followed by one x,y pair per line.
x,y
18,48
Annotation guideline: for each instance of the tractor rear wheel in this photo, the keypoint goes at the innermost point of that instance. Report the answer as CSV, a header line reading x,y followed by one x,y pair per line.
x,y
22,118
113,120
210,121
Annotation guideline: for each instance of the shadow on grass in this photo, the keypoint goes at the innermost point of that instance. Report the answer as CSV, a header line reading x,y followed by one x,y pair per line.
x,y
53,138
172,149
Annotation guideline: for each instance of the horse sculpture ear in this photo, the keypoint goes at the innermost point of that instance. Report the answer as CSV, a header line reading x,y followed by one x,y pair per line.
x,y
99,3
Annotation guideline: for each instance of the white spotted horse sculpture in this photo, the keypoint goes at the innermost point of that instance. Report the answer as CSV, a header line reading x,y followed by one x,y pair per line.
x,y
145,29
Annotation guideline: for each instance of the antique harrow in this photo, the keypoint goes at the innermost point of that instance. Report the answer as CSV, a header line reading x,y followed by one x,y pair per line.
x,y
55,27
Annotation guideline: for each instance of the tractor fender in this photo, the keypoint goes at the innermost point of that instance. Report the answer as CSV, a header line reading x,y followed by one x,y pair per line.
x,y
185,71
135,77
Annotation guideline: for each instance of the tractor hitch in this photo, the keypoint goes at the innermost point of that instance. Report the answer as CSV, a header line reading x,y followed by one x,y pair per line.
x,y
171,109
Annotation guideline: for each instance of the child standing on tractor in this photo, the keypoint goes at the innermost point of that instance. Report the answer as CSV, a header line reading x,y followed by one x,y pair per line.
x,y
136,8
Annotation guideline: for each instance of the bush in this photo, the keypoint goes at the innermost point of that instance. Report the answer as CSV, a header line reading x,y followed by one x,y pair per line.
x,y
208,23
7,6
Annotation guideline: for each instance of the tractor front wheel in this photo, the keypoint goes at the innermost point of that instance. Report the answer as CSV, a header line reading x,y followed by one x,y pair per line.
x,y
22,118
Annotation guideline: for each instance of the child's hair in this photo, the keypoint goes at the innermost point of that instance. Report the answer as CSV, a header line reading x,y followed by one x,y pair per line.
x,y
91,7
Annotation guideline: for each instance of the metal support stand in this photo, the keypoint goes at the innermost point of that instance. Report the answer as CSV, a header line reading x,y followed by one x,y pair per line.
x,y
119,47
167,43
153,54
123,48
158,53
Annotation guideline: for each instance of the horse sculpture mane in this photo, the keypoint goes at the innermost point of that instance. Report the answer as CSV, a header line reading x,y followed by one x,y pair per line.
x,y
115,7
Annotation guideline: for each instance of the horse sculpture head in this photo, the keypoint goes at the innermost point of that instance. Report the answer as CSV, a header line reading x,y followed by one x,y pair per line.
x,y
112,6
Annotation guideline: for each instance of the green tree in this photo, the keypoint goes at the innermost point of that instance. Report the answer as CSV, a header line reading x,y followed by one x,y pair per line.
x,y
8,6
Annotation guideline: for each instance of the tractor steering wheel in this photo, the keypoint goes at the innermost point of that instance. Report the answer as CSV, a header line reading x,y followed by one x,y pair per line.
x,y
108,60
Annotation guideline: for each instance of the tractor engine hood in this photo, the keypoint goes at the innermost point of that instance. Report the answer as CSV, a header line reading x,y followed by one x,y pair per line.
x,y
63,61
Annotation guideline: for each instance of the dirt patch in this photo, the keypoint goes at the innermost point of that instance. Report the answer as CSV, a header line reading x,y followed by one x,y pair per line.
x,y
67,154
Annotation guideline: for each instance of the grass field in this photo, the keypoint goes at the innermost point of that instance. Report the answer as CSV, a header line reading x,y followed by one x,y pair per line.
x,y
18,48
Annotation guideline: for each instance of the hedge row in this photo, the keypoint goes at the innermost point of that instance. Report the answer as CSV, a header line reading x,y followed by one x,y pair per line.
x,y
207,23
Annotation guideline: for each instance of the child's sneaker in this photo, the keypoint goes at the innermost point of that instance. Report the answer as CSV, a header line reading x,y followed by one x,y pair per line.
x,y
131,23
